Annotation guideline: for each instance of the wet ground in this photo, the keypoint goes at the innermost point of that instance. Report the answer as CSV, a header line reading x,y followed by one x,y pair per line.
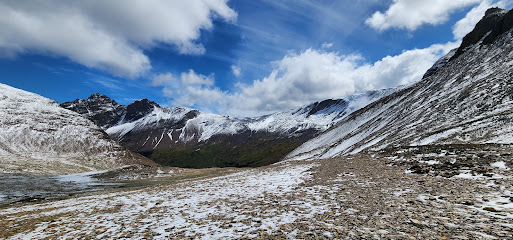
x,y
21,189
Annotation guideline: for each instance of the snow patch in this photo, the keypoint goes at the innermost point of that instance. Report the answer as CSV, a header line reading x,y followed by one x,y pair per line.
x,y
500,165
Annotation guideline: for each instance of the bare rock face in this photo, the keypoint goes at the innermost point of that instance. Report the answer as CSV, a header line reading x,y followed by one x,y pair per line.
x,y
38,136
98,108
139,109
465,100
495,23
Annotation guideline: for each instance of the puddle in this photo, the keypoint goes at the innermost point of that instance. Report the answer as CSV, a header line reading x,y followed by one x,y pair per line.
x,y
29,188
23,188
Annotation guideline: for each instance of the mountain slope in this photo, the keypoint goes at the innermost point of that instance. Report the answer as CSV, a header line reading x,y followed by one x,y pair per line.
x,y
188,138
467,99
38,136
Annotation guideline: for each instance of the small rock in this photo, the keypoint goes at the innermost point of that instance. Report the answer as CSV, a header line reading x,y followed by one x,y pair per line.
x,y
414,221
490,209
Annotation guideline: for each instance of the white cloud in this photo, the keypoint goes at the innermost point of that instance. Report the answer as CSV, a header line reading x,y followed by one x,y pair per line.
x,y
411,14
163,79
236,70
108,35
306,77
192,78
327,45
315,75
189,48
467,24
190,89
209,99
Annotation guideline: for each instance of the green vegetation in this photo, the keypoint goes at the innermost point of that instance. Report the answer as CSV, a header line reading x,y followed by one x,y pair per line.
x,y
255,153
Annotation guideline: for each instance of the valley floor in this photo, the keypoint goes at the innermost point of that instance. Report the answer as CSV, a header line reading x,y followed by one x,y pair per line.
x,y
352,197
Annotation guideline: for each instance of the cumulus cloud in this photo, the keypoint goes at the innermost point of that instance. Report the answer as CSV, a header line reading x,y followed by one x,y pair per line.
x,y
108,35
163,79
191,89
315,75
236,70
411,14
467,24
192,78
303,78
208,99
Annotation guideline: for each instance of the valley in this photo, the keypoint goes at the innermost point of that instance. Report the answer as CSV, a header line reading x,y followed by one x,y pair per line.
x,y
183,137
428,160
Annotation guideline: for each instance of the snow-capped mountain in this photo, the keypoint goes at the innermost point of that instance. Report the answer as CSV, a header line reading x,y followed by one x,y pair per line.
x,y
147,127
100,109
467,97
38,136
182,126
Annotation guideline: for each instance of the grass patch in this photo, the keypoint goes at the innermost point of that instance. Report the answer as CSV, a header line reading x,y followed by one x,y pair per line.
x,y
255,153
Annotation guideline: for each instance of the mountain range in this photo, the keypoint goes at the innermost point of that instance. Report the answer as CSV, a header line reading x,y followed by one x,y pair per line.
x,y
186,137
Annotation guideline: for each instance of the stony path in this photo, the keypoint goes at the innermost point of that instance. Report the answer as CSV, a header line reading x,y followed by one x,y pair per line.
x,y
344,198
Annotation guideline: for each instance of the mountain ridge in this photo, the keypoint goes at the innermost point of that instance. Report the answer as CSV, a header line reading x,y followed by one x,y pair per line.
x,y
159,129
465,100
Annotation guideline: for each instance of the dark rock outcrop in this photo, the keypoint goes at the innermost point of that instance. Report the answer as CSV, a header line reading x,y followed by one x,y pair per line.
x,y
495,22
139,109
98,108
327,106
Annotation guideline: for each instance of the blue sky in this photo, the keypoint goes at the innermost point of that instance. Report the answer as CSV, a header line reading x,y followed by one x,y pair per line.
x,y
236,57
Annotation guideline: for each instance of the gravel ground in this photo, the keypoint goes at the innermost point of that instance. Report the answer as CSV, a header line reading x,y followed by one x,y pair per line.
x,y
359,196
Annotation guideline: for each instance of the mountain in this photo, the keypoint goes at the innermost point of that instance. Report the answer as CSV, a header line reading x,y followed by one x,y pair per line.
x,y
100,109
186,137
467,97
38,136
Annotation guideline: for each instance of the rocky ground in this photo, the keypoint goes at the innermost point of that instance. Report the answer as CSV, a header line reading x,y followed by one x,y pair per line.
x,y
366,196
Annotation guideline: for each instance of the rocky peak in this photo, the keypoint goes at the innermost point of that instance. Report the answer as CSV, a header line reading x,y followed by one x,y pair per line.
x,y
99,108
139,109
495,22
98,97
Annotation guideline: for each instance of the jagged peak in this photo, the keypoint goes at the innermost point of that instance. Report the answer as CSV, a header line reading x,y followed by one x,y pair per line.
x,y
97,95
139,109
495,22
495,11
144,101
94,98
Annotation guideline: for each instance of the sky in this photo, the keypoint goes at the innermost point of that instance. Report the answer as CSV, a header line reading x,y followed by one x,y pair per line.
x,y
230,57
